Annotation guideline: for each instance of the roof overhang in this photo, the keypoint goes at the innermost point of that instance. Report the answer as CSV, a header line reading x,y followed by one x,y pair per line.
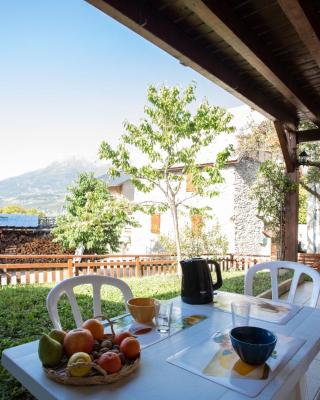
x,y
266,53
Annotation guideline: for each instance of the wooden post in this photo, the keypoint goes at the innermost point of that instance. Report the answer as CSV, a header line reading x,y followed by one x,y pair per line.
x,y
137,259
288,143
291,221
70,268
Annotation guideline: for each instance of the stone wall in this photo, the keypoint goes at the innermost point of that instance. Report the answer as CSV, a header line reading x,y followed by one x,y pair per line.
x,y
249,238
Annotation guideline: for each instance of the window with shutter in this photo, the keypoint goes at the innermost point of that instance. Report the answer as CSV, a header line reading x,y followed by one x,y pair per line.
x,y
189,184
196,222
155,223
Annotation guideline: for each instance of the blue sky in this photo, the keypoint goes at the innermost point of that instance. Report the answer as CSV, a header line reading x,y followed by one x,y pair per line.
x,y
70,76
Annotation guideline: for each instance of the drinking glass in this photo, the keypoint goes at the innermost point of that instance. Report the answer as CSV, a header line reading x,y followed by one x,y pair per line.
x,y
163,316
240,314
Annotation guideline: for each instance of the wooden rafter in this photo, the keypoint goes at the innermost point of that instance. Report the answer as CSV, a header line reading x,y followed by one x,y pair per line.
x,y
287,140
220,17
158,29
305,29
309,135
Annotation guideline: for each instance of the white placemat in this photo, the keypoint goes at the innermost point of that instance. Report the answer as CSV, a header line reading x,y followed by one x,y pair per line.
x,y
276,312
214,359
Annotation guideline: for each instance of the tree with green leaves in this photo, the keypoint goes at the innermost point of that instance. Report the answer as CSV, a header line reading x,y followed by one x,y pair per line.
x,y
171,136
17,209
93,218
272,182
269,190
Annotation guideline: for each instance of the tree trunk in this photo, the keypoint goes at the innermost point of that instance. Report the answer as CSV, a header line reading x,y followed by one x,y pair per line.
x,y
174,213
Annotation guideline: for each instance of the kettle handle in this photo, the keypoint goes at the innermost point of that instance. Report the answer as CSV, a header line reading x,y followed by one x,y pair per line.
x,y
219,282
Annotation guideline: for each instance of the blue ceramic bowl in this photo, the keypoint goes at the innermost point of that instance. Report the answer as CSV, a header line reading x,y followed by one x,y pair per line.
x,y
253,345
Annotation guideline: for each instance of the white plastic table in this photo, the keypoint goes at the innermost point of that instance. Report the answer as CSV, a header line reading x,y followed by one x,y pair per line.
x,y
157,379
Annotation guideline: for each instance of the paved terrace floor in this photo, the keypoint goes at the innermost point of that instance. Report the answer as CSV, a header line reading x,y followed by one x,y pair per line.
x,y
302,297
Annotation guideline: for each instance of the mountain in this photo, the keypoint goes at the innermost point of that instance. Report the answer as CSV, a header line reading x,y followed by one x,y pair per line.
x,y
45,188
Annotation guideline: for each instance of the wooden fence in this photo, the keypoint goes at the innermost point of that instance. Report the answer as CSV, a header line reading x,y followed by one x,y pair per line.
x,y
30,269
310,259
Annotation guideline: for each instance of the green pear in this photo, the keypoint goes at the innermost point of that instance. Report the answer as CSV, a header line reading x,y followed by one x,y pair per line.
x,y
57,335
50,351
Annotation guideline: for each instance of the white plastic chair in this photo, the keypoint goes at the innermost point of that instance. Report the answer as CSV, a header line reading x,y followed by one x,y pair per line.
x,y
67,287
273,267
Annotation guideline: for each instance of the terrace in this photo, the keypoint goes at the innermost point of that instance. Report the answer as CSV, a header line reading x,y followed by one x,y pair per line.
x,y
267,53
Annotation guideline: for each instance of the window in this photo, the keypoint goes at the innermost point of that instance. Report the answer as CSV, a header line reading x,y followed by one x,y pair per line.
x,y
155,223
196,222
189,184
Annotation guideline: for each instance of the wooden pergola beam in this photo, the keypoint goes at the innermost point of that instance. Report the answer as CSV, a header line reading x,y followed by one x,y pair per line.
x,y
288,141
309,135
220,17
143,19
302,24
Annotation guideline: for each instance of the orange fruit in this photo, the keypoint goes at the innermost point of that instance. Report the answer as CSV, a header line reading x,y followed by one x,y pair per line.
x,y
120,337
110,362
130,347
95,327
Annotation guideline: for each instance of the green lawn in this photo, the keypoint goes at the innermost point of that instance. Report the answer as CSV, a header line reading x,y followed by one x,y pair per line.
x,y
24,317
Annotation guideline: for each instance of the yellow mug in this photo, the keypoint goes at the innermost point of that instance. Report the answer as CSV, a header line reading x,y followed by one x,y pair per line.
x,y
143,309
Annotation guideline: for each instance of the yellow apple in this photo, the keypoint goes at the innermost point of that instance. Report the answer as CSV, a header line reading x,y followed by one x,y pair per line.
x,y
75,366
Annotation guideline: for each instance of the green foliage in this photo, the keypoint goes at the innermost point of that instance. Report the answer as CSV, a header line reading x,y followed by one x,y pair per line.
x,y
259,137
197,242
170,136
262,136
312,175
94,218
17,209
302,206
269,191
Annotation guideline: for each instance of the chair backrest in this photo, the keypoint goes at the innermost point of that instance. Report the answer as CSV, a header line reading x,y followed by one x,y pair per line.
x,y
273,267
67,287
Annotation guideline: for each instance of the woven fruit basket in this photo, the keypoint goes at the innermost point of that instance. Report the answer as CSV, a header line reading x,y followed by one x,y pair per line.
x,y
96,375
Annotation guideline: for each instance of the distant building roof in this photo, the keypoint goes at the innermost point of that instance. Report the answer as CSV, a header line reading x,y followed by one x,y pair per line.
x,y
18,221
115,181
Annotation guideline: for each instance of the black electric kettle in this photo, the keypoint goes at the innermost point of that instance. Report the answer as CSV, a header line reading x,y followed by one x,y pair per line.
x,y
197,286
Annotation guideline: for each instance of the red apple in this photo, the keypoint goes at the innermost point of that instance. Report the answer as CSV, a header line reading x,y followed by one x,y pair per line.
x,y
78,340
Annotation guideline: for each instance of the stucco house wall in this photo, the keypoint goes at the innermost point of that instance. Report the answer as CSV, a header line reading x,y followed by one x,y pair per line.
x,y
235,212
313,222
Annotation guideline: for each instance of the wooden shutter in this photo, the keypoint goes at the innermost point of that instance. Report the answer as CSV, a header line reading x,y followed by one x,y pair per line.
x,y
155,223
189,185
196,222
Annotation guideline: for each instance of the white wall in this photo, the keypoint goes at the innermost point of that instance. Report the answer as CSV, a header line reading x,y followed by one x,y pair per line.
x,y
142,240
313,222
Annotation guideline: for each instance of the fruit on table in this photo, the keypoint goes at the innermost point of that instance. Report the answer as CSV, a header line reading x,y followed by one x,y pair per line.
x,y
95,327
78,340
50,351
130,347
57,335
74,364
120,337
110,362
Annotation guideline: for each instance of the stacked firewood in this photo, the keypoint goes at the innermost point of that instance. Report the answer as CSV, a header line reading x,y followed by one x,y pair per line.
x,y
26,243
